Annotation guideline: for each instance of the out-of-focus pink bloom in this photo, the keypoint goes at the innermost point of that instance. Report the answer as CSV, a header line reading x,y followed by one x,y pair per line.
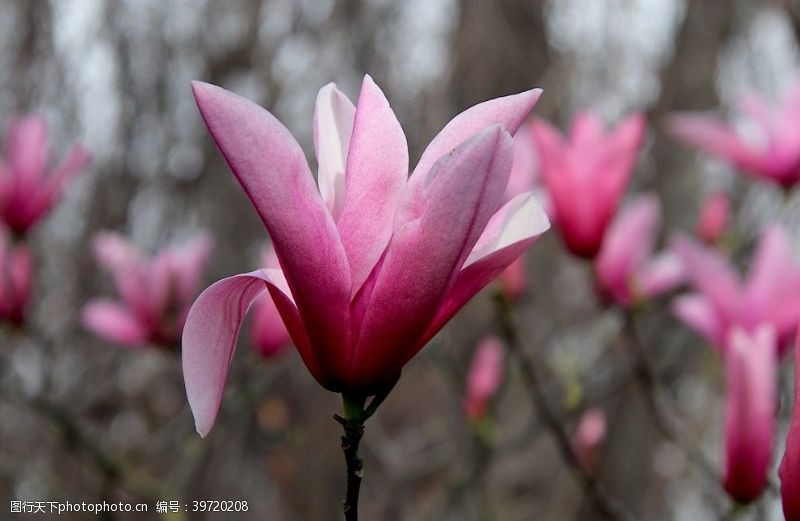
x,y
589,437
713,217
268,334
155,293
625,266
374,263
586,175
790,465
16,275
722,302
484,378
751,406
513,280
28,190
768,145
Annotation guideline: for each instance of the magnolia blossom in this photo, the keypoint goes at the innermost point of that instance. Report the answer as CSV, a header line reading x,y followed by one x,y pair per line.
x,y
722,302
713,218
484,378
28,189
268,334
751,325
626,268
373,263
766,145
790,466
751,367
16,274
589,437
154,293
586,175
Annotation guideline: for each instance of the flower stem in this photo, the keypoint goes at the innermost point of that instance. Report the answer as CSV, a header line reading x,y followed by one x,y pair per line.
x,y
353,425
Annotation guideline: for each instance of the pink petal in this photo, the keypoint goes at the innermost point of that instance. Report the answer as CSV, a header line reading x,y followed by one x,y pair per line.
x,y
750,411
113,322
713,218
485,376
508,111
377,169
513,279
463,190
586,129
271,168
483,269
211,332
712,275
333,127
790,465
699,314
659,275
524,172
628,243
589,436
715,137
773,284
49,193
27,150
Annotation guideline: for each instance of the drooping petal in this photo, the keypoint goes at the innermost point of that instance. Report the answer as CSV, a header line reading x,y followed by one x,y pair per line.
x,y
790,464
508,112
698,313
271,168
333,128
211,333
113,322
750,412
463,190
377,169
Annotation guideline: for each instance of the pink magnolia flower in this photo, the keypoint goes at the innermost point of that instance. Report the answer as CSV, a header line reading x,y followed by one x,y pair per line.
x,y
27,190
268,334
626,268
768,147
790,465
16,275
714,217
374,263
751,406
586,175
484,378
721,302
155,293
589,437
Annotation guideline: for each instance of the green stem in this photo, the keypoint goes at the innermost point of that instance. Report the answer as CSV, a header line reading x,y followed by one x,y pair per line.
x,y
353,425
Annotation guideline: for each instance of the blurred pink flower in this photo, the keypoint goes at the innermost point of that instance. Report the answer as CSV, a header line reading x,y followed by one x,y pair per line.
x,y
484,378
713,217
155,293
751,406
589,437
374,263
513,280
626,268
28,190
586,175
268,334
790,465
722,302
768,145
16,274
